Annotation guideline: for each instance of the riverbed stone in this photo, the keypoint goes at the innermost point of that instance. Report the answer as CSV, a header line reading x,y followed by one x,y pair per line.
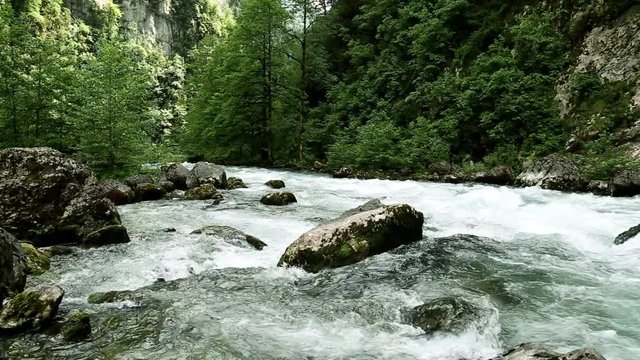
x,y
77,327
599,187
554,172
626,183
119,193
13,266
38,262
235,183
531,351
348,240
276,184
31,309
207,173
177,174
47,198
232,236
343,173
114,234
136,180
204,192
627,235
279,199
446,314
148,192
499,175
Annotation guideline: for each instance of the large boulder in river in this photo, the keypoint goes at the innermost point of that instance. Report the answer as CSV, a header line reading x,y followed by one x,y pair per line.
x,y
207,173
48,199
119,193
275,184
554,172
279,199
204,192
149,192
627,235
232,236
348,240
499,175
31,309
13,266
531,351
626,183
177,174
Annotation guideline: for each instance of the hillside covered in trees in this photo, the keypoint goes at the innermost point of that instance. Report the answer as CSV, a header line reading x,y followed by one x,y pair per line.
x,y
375,85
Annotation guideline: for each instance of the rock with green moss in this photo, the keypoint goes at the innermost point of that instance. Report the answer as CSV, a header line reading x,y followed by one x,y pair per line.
x,y
115,234
148,192
77,327
348,240
204,192
444,314
276,184
13,266
279,199
235,183
232,236
38,262
30,310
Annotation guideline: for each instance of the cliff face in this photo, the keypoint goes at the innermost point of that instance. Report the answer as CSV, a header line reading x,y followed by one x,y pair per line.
x,y
171,25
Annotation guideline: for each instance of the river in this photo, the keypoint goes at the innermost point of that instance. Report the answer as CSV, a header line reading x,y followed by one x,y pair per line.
x,y
542,267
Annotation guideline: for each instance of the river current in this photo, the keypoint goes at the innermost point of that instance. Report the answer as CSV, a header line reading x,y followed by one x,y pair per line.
x,y
542,266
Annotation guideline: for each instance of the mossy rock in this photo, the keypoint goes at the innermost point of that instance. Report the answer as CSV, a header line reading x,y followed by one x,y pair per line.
x,y
279,199
31,309
108,297
235,183
276,184
204,192
148,192
38,262
77,327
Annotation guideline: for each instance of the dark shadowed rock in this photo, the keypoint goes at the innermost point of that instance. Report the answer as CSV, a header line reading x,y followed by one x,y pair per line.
x,y
444,314
47,198
442,168
279,199
139,179
232,236
31,309
599,187
167,186
348,240
119,193
77,327
148,192
207,173
235,183
204,192
531,351
499,175
626,183
114,234
343,173
177,174
627,235
13,266
554,172
275,184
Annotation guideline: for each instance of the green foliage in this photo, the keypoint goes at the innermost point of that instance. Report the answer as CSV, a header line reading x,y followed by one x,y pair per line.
x,y
602,160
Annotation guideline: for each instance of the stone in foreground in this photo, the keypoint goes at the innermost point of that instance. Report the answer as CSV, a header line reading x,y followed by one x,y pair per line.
x,y
627,235
554,172
538,352
348,240
13,266
177,174
279,199
31,309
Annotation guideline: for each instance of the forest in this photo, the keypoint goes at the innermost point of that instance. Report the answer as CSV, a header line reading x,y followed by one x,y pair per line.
x,y
384,85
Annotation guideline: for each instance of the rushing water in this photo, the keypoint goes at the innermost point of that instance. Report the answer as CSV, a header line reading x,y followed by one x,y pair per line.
x,y
550,275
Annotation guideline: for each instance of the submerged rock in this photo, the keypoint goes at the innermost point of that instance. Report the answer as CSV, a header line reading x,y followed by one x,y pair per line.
x,y
531,351
627,235
444,314
148,192
38,262
77,327
13,266
119,193
499,175
48,199
276,184
235,183
279,199
204,192
31,309
350,239
626,183
207,173
109,297
232,236
177,174
554,172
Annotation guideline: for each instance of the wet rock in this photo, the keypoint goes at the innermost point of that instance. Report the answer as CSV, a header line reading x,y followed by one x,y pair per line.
x,y
58,250
499,175
109,297
31,309
343,173
554,172
442,168
204,192
205,173
531,351
627,235
77,328
148,192
232,236
49,199
114,234
13,266
444,314
368,206
320,167
599,187
38,262
626,183
235,183
177,174
167,186
169,230
351,239
175,195
279,199
275,184
137,180
118,192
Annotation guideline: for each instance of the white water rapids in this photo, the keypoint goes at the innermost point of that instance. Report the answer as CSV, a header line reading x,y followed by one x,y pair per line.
x,y
553,276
